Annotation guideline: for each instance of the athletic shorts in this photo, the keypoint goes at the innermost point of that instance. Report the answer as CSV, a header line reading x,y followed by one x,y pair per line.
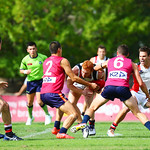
x,y
34,86
141,98
53,99
121,92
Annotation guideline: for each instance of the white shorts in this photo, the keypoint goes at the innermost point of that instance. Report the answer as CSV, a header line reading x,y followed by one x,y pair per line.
x,y
141,98
78,85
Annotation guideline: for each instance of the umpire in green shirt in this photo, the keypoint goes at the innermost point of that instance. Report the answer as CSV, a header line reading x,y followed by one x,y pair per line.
x,y
32,66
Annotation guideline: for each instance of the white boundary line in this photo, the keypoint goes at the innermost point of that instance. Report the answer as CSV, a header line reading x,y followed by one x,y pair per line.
x,y
49,129
38,133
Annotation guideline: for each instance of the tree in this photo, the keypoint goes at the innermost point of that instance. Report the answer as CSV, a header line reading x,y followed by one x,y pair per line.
x,y
80,26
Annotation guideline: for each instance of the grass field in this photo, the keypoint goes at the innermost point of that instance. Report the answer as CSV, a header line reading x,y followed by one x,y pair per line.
x,y
131,135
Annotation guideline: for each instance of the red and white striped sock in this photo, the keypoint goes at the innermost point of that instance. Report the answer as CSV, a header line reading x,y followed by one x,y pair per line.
x,y
113,126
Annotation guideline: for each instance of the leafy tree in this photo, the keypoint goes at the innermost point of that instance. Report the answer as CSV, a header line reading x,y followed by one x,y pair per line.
x,y
80,26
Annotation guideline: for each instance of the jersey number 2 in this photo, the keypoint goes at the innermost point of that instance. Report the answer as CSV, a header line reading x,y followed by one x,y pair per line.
x,y
49,64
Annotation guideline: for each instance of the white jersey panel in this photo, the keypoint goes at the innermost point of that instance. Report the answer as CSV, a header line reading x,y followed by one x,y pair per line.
x,y
145,75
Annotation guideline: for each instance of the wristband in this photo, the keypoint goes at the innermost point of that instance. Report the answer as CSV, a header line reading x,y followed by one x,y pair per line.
x,y
25,71
102,66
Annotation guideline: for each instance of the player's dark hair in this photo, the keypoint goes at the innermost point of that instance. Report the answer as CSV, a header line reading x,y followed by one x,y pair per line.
x,y
102,47
0,40
53,47
31,44
123,49
145,49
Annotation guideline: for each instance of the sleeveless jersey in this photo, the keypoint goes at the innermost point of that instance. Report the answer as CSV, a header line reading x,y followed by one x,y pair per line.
x,y
98,61
54,75
145,75
36,66
119,70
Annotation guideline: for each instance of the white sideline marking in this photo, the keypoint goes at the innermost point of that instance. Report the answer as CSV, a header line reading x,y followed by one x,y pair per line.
x,y
38,133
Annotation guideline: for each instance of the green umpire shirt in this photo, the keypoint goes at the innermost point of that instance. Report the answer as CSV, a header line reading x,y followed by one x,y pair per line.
x,y
35,64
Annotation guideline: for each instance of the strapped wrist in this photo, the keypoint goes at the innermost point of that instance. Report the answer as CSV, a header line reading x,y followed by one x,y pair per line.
x,y
102,66
25,71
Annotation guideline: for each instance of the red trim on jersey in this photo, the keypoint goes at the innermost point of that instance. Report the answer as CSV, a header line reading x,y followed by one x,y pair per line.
x,y
135,86
95,59
80,74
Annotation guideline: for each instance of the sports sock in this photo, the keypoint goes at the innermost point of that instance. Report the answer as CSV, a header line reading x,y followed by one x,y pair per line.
x,y
57,124
63,130
85,118
30,108
92,123
113,126
44,107
147,125
8,129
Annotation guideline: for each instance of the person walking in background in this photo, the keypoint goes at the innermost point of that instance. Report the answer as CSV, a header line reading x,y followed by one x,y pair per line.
x,y
6,116
32,66
144,70
54,69
117,86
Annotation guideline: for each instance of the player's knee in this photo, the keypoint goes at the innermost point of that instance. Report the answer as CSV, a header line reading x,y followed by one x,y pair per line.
x,y
74,115
40,103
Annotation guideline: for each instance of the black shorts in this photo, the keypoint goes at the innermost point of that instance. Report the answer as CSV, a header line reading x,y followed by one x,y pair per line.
x,y
121,92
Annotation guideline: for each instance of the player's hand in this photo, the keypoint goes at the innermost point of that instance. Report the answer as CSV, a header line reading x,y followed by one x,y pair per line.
x,y
3,84
94,86
27,71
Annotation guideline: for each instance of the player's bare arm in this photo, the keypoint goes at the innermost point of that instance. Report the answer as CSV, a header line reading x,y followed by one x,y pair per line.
x,y
139,79
66,66
70,82
101,66
25,71
92,60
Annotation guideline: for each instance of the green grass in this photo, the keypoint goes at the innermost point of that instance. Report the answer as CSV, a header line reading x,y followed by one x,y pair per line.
x,y
133,135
